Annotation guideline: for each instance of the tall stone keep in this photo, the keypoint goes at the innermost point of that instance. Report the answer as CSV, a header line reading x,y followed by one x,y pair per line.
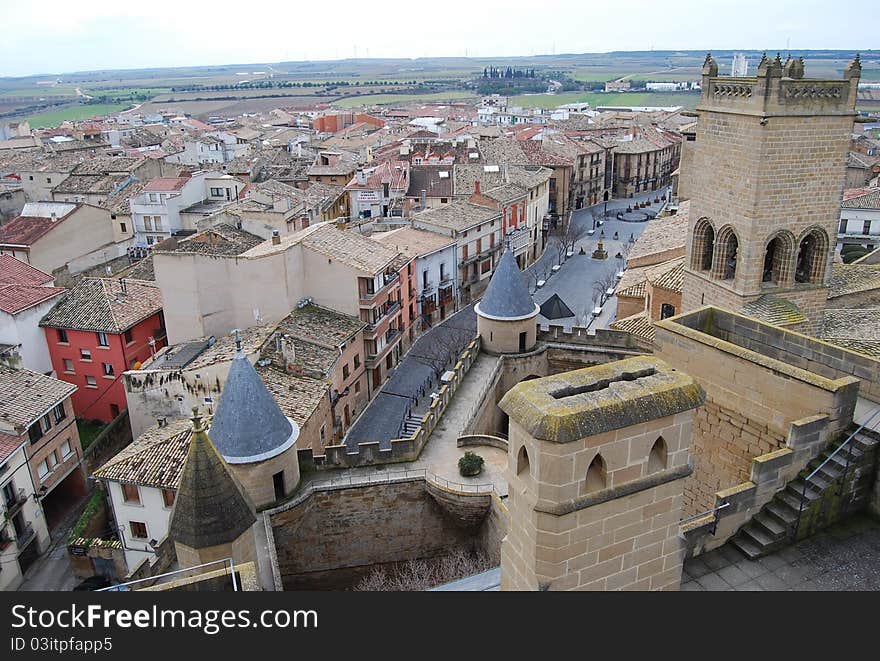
x,y
597,463
765,177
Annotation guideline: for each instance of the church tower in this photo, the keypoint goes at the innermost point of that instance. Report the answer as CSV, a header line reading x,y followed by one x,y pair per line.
x,y
765,182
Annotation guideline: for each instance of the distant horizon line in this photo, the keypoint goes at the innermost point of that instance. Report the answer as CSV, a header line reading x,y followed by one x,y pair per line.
x,y
868,52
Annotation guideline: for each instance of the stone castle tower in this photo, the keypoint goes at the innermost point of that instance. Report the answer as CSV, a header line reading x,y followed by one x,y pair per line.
x,y
764,178
212,518
597,463
507,315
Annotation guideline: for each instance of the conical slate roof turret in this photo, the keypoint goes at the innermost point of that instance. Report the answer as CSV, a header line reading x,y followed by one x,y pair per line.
x,y
507,296
210,508
248,425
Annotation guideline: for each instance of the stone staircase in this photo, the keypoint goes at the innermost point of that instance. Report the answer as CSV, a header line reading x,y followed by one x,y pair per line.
x,y
411,425
825,497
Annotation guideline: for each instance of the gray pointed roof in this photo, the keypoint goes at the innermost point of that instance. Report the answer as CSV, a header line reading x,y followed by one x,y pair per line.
x,y
507,296
249,425
555,308
210,508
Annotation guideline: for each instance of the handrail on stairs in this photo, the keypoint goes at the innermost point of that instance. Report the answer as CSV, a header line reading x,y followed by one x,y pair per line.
x,y
847,443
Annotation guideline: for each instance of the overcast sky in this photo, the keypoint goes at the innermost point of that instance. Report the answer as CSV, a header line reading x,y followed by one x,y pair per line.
x,y
57,36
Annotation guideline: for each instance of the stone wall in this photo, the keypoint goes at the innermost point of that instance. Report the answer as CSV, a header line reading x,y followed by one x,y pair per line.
x,y
330,537
112,439
755,391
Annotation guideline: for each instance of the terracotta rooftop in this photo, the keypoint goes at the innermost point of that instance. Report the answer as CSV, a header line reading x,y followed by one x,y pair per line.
x,y
99,304
458,215
26,396
15,271
414,242
321,325
774,310
16,298
853,278
351,248
861,198
662,236
9,443
670,278
221,239
167,184
154,459
297,396
26,230
638,324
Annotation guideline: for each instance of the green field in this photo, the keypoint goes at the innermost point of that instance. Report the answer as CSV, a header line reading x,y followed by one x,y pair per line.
x,y
74,113
605,99
39,90
387,99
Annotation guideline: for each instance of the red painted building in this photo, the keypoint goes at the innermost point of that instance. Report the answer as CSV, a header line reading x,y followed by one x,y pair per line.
x,y
101,328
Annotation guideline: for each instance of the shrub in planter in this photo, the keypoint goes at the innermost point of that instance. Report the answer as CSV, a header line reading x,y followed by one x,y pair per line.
x,y
470,464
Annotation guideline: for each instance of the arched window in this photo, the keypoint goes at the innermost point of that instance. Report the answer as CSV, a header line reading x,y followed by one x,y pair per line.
x,y
726,255
704,245
596,474
657,457
522,462
812,255
667,310
778,259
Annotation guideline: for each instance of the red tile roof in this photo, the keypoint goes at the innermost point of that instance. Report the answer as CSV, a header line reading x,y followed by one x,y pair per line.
x,y
16,272
8,445
15,298
167,184
25,230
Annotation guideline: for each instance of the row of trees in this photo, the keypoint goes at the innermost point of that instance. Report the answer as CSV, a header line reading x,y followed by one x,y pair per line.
x,y
269,84
495,72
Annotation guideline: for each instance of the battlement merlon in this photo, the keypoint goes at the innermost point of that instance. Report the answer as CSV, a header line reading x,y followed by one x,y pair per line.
x,y
779,89
587,402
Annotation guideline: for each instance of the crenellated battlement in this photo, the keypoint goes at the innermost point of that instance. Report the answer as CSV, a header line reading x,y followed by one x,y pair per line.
x,y
779,88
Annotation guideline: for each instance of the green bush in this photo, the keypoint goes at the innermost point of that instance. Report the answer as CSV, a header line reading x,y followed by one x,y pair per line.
x,y
852,255
470,464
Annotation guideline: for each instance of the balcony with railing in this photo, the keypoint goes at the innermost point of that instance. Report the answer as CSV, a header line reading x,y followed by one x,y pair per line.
x,y
369,296
483,254
14,502
25,537
383,320
377,354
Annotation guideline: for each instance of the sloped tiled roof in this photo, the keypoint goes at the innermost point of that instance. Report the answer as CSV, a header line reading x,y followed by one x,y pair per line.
x,y
9,443
26,395
15,298
774,310
15,271
634,291
853,278
661,235
317,323
154,459
671,278
99,304
350,248
854,329
413,242
638,324
866,198
457,215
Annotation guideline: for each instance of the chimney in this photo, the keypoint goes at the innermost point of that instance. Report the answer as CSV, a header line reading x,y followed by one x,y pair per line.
x,y
276,237
288,354
424,199
361,177
122,285
299,150
477,190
